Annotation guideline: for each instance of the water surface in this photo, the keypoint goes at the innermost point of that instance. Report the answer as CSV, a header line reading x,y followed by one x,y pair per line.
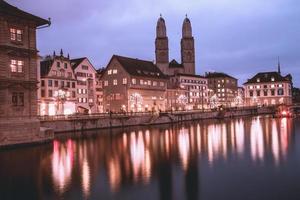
x,y
250,158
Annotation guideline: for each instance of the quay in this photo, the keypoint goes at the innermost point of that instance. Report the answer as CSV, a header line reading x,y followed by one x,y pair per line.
x,y
73,123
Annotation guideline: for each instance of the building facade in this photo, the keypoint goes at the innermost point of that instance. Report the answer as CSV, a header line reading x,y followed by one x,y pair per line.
x,y
187,65
99,90
187,91
18,75
57,86
268,88
133,85
222,89
86,76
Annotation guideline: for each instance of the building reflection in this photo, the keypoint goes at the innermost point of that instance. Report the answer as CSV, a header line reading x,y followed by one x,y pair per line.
x,y
136,157
62,164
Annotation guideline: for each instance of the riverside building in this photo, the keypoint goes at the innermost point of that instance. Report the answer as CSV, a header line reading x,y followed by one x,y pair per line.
x,y
86,76
57,86
133,85
268,88
18,75
222,89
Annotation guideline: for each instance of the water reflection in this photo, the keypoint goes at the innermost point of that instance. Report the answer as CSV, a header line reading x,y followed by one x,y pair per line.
x,y
136,157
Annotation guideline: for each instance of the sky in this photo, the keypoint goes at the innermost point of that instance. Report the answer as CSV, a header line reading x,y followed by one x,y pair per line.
x,y
238,37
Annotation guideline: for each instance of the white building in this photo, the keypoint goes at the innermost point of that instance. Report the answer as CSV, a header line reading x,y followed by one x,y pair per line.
x,y
86,85
57,86
268,88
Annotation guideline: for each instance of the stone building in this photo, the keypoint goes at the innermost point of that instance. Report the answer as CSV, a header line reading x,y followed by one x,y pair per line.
x,y
187,65
18,75
187,91
133,85
86,76
268,88
222,89
58,86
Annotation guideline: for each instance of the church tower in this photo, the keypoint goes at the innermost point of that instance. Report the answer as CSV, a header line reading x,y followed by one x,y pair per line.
x,y
162,46
187,47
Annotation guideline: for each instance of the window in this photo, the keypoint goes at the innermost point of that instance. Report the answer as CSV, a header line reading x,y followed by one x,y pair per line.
x,y
84,67
43,83
273,92
55,83
62,73
50,94
115,71
115,82
17,99
124,81
58,64
265,93
50,83
272,79
73,84
251,93
141,82
149,82
62,84
109,72
16,66
133,81
280,92
105,83
68,84
258,80
73,94
154,83
258,93
70,74
42,93
16,35
65,65
162,84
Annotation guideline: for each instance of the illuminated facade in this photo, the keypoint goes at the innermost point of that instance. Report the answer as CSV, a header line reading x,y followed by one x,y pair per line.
x,y
191,92
133,85
268,88
223,89
18,75
57,86
86,76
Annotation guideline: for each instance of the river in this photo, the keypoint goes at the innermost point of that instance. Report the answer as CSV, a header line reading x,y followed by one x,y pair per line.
x,y
246,158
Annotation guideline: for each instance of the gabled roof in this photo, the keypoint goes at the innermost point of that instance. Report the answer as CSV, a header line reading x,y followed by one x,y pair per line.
x,y
175,64
218,75
266,77
137,67
76,62
46,66
8,9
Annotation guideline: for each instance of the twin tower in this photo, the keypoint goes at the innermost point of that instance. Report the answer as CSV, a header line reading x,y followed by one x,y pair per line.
x,y
187,65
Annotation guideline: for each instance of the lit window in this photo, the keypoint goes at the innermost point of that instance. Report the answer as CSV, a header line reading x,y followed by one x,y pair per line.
x,y
115,71
16,66
251,87
258,86
141,82
16,34
273,79
105,83
133,81
272,86
154,83
124,81
162,84
258,80
115,82
109,72
149,82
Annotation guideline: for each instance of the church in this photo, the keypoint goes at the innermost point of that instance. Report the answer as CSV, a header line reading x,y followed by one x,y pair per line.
x,y
187,65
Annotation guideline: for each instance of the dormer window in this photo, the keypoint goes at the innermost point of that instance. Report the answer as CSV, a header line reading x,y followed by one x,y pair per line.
x,y
272,79
65,65
258,80
58,64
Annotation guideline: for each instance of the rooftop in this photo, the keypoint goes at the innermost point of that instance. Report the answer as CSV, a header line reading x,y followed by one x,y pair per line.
x,y
266,77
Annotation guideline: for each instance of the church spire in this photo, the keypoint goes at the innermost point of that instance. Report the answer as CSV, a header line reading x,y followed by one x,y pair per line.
x,y
187,47
279,67
186,28
161,30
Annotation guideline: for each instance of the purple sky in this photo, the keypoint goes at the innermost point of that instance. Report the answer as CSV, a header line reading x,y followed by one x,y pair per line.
x,y
239,37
